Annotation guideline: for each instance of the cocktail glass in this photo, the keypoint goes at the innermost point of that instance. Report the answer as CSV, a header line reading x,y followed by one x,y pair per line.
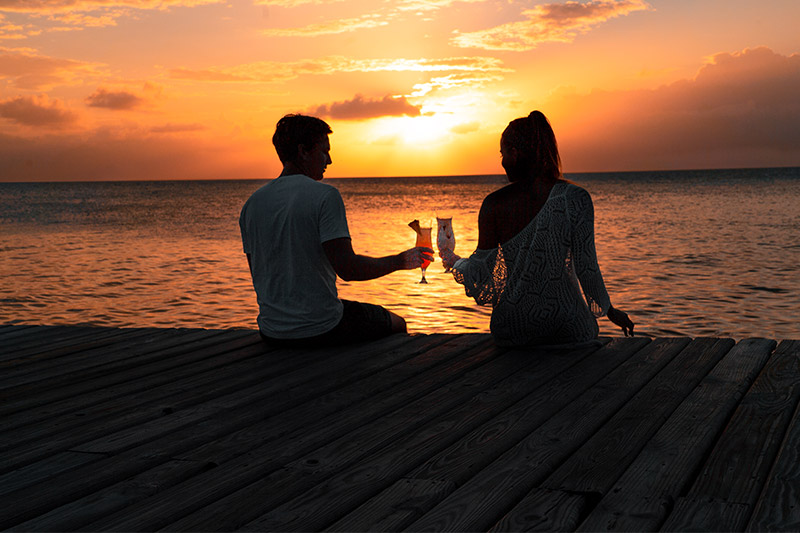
x,y
424,239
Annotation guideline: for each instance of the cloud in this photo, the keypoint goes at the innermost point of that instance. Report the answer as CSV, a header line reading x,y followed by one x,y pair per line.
x,y
277,72
328,28
9,31
36,111
364,108
548,23
80,14
294,3
207,75
177,128
741,109
116,100
431,5
29,70
466,127
49,6
453,81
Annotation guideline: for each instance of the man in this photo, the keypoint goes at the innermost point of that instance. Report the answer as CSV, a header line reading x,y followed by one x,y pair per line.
x,y
295,234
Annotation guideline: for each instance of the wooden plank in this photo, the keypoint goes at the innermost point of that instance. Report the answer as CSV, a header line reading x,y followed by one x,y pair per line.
x,y
479,449
485,498
66,487
777,508
259,384
383,513
148,402
14,333
42,338
592,470
94,506
326,502
691,514
7,328
49,338
126,432
61,346
596,465
476,450
115,372
40,472
71,516
217,352
390,388
126,346
203,496
724,493
642,496
545,510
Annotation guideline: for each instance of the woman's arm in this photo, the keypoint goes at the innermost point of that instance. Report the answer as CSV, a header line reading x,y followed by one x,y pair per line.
x,y
584,254
487,224
487,233
587,267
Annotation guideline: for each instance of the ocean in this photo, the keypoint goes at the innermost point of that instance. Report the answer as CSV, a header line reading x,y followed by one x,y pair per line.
x,y
695,253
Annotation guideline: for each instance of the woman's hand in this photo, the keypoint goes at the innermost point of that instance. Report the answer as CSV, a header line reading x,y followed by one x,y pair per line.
x,y
620,318
448,257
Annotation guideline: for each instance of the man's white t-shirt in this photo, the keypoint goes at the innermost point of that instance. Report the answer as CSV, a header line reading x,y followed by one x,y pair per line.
x,y
283,225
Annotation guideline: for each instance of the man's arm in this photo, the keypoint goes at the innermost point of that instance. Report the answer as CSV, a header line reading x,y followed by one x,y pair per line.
x,y
353,267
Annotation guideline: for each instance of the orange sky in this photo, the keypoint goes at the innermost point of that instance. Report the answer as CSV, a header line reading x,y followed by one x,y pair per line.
x,y
191,89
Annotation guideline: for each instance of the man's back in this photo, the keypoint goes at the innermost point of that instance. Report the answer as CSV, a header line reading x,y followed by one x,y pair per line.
x,y
283,226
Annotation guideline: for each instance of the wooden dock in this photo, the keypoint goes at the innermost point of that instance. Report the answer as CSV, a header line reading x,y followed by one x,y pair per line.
x,y
205,430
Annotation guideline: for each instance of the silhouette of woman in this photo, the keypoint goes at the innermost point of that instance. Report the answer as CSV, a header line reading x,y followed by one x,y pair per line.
x,y
536,248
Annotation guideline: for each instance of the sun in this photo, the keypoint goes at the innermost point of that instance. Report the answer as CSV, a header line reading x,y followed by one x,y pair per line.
x,y
421,131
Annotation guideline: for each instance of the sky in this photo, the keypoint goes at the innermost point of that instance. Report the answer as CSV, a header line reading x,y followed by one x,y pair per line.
x,y
192,89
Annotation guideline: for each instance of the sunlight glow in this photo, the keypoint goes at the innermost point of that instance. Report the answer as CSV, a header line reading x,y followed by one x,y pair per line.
x,y
416,131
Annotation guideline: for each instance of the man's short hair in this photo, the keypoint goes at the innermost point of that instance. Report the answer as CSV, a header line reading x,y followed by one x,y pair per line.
x,y
295,130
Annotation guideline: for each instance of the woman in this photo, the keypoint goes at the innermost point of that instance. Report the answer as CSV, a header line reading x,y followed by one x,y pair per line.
x,y
536,248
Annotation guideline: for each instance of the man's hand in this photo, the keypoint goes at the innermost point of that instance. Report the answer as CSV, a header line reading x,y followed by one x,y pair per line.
x,y
413,258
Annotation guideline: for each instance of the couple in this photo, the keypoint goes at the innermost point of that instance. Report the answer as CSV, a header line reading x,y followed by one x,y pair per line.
x,y
535,249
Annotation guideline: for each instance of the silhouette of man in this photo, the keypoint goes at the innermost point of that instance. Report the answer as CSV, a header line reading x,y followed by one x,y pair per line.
x,y
295,234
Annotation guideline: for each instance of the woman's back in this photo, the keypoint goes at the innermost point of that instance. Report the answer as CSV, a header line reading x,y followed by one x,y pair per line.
x,y
545,265
536,248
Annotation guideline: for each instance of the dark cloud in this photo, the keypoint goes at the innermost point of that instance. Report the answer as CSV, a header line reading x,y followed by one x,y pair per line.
x,y
116,100
742,109
36,112
364,108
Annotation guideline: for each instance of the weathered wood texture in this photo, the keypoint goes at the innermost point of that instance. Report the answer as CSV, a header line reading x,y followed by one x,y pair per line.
x,y
109,429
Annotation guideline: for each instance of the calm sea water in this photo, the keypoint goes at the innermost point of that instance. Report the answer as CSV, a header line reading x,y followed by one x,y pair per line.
x,y
698,253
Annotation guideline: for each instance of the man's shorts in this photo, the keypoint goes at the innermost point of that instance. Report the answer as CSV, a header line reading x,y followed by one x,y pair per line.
x,y
359,322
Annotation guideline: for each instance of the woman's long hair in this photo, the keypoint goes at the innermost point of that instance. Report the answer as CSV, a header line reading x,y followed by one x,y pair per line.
x,y
534,140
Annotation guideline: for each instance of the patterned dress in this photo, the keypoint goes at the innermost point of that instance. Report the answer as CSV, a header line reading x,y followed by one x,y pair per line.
x,y
534,280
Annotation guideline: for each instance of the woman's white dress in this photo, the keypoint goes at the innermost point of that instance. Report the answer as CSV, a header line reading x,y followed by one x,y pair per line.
x,y
534,280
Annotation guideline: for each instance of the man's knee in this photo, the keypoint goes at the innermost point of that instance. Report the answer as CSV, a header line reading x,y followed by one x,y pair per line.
x,y
398,323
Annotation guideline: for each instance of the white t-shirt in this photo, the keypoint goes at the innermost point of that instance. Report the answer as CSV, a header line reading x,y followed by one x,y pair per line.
x,y
283,225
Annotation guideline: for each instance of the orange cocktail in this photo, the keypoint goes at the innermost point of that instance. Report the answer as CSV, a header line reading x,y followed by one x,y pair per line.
x,y
424,239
